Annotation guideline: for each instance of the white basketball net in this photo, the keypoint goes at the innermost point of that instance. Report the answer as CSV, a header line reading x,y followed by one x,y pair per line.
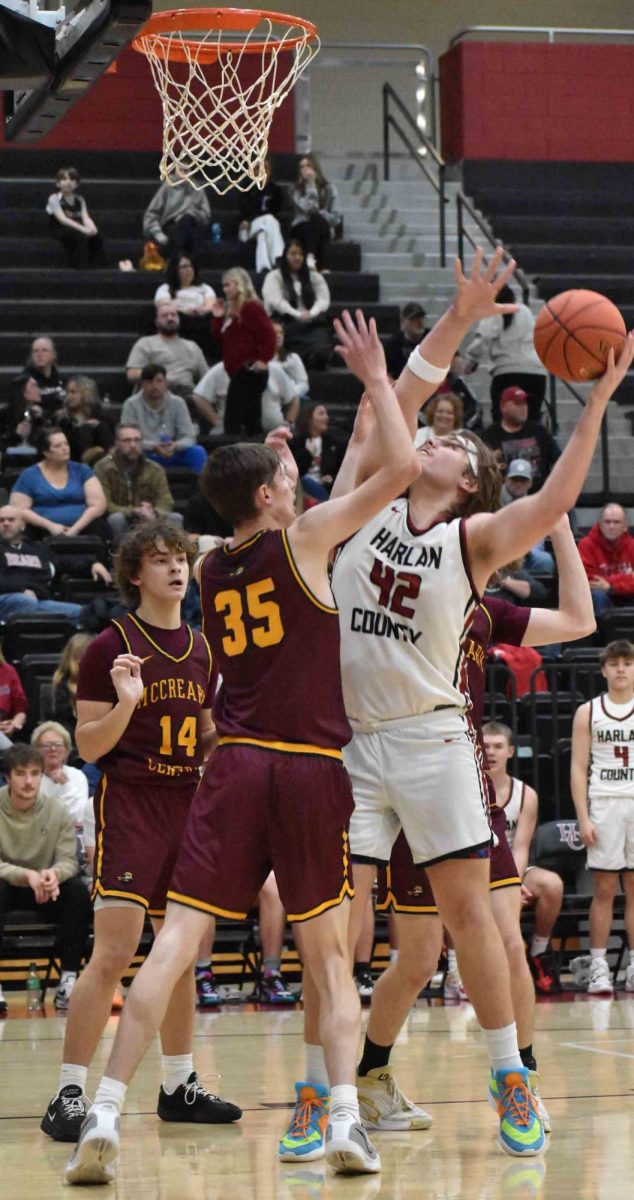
x,y
216,134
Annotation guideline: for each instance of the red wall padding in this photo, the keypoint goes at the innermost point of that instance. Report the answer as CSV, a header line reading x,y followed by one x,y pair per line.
x,y
122,111
572,103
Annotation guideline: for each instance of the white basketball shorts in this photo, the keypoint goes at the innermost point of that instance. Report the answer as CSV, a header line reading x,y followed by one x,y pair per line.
x,y
614,819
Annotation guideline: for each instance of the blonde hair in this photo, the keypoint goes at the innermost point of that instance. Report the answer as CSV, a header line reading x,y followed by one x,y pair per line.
x,y
71,654
89,394
51,727
244,283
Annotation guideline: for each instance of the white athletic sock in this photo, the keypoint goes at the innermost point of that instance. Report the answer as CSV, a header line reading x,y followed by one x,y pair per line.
x,y
538,945
503,1048
110,1093
176,1070
316,1072
344,1096
72,1073
203,964
452,962
598,953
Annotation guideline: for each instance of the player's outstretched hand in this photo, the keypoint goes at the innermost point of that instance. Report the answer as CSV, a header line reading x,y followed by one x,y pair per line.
x,y
476,293
360,348
126,677
615,372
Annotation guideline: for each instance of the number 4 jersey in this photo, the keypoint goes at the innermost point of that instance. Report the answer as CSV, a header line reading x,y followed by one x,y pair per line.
x,y
611,749
405,600
162,741
276,647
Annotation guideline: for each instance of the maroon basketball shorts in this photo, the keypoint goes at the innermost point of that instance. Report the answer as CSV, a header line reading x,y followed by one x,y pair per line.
x,y
138,832
503,869
260,809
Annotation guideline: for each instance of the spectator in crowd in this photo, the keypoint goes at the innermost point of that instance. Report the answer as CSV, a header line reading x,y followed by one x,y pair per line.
x,y
299,297
259,212
135,488
64,683
22,419
193,299
13,703
71,222
316,215
41,365
455,382
67,784
517,483
506,343
607,553
400,345
38,862
517,586
516,436
291,362
89,434
57,495
178,218
279,403
442,414
317,453
247,340
26,573
183,361
168,434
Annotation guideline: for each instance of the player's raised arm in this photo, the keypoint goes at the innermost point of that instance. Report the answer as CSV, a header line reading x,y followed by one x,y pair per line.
x,y
574,617
99,724
497,538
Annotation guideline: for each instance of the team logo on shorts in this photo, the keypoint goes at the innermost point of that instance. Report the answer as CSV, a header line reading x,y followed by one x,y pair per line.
x,y
415,891
127,877
569,834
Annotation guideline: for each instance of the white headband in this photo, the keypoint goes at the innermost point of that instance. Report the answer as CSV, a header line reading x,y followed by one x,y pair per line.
x,y
469,449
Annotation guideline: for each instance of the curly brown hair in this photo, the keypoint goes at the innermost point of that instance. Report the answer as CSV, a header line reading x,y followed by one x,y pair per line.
x,y
140,541
455,402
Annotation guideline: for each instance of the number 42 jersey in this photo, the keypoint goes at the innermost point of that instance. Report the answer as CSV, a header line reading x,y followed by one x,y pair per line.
x,y
406,600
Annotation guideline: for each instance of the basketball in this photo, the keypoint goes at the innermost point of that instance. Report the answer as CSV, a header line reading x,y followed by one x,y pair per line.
x,y
574,333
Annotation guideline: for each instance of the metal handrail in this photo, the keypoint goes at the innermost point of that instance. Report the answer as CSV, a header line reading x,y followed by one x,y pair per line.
x,y
461,204
551,31
438,183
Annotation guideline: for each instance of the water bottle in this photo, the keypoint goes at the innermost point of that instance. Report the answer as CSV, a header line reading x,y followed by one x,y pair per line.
x,y
105,401
216,233
164,435
33,990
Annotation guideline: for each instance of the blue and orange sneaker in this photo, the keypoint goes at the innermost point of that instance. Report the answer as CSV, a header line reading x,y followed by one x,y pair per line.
x,y
521,1131
304,1138
533,1082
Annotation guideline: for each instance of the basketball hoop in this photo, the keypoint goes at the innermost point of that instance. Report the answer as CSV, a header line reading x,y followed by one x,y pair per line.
x,y
221,74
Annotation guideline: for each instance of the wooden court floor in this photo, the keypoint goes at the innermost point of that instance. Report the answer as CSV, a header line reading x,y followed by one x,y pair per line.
x,y
586,1052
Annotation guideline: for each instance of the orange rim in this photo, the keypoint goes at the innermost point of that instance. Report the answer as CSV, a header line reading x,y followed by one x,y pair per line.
x,y
162,26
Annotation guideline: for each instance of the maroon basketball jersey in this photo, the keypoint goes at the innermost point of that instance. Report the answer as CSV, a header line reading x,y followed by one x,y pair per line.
x,y
275,645
162,741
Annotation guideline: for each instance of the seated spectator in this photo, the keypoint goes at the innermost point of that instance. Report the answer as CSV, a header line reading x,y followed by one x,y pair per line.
x,y
22,420
317,454
607,553
279,404
168,434
178,218
41,365
136,489
412,331
71,222
259,211
193,299
442,414
182,360
517,483
455,382
515,436
13,703
57,495
64,689
300,299
543,889
210,398
290,361
39,870
26,573
247,340
316,215
506,344
89,434
68,784
517,586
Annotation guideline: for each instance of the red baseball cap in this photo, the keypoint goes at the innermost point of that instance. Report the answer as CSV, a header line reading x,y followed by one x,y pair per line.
x,y
513,393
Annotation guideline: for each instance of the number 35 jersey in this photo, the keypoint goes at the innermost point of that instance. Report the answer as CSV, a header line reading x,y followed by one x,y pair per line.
x,y
275,645
405,600
162,741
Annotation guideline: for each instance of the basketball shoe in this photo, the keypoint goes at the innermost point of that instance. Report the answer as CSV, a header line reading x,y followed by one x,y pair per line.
x,y
629,978
365,986
64,991
453,988
270,990
304,1138
544,973
349,1150
383,1106
193,1104
600,980
521,1131
66,1113
95,1157
533,1079
207,994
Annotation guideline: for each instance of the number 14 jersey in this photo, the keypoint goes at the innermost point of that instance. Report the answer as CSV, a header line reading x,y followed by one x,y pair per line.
x,y
405,600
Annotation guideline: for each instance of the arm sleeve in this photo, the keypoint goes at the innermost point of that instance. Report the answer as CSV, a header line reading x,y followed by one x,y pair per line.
x,y
153,214
19,703
622,584
163,501
508,621
184,426
93,681
264,333
138,356
275,301
306,202
331,210
322,294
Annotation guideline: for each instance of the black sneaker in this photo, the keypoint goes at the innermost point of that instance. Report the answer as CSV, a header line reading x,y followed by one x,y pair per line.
x,y
192,1102
271,990
63,1118
544,974
207,994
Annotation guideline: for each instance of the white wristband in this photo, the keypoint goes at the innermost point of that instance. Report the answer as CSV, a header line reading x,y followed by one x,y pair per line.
x,y
425,370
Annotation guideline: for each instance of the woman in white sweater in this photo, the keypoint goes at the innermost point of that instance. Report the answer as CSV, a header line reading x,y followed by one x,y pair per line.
x,y
506,345
299,299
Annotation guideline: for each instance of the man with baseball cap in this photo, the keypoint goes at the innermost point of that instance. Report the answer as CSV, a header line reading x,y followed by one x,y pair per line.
x,y
516,437
401,344
517,483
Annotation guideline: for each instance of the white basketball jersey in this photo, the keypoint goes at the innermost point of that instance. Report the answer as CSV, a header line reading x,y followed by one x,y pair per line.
x,y
611,749
405,600
513,808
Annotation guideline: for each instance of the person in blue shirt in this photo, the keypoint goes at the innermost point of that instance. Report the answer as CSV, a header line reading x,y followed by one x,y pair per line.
x,y
57,496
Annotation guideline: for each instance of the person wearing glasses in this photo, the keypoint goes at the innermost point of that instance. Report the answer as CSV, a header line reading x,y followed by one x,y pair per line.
x,y
136,489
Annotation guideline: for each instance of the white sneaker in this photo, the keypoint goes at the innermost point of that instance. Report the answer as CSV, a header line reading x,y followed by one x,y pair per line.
x,y
542,1111
629,978
383,1105
580,968
364,984
600,978
453,989
95,1157
348,1147
64,992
